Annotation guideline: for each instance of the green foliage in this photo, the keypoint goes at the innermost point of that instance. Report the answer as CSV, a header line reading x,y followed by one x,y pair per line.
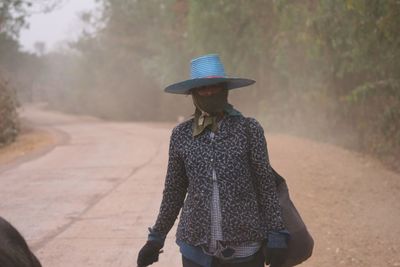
x,y
340,58
12,16
20,68
358,43
9,124
322,66
376,106
116,72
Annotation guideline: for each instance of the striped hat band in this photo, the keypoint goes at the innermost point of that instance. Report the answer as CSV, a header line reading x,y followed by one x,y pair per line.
x,y
208,66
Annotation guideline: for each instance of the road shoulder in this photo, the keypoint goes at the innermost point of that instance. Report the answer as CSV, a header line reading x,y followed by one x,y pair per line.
x,y
32,142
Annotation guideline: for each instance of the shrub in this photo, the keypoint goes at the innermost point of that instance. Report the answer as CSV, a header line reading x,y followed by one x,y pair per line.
x,y
9,123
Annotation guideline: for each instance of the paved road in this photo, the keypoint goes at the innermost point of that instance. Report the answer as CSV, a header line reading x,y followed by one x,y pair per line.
x,y
89,200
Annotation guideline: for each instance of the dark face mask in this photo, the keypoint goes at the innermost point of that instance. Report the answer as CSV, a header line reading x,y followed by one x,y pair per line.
x,y
212,104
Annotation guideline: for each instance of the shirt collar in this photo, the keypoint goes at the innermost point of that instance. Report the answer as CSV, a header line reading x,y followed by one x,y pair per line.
x,y
210,122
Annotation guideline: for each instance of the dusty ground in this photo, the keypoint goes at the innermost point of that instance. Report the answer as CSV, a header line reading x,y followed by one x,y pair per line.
x,y
30,139
350,202
88,199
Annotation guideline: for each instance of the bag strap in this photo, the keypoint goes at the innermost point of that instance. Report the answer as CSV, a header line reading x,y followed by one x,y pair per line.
x,y
278,178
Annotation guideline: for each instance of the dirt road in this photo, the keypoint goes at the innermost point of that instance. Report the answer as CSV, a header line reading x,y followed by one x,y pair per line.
x,y
89,200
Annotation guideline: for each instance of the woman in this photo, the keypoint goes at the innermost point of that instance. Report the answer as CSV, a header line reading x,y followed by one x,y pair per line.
x,y
219,172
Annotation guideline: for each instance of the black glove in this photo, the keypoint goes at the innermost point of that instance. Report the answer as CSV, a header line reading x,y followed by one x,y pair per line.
x,y
275,257
149,253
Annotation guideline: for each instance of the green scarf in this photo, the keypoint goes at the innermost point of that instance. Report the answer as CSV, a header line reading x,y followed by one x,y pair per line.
x,y
202,120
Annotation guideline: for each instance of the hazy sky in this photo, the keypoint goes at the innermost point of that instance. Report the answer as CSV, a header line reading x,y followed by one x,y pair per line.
x,y
58,25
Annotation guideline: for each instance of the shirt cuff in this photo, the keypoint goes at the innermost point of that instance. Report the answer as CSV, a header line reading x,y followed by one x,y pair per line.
x,y
155,236
278,239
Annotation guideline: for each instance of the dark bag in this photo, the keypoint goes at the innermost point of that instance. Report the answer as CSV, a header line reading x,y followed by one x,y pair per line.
x,y
301,244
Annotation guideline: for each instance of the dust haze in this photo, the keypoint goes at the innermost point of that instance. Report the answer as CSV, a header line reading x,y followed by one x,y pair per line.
x,y
326,71
309,82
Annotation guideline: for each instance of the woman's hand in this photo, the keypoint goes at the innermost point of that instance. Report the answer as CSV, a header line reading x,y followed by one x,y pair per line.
x,y
149,253
275,257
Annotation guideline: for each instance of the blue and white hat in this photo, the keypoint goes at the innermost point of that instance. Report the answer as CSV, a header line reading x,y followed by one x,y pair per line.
x,y
207,70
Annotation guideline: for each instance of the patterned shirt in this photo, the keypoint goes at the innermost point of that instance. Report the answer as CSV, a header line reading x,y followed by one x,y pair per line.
x,y
246,189
234,129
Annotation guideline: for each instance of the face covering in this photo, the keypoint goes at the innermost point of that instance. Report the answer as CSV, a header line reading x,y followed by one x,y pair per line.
x,y
207,110
212,104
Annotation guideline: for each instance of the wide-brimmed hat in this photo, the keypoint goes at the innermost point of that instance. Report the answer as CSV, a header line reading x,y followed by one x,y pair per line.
x,y
207,70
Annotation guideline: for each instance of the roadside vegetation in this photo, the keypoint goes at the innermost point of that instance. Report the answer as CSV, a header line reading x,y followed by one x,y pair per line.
x,y
18,70
9,123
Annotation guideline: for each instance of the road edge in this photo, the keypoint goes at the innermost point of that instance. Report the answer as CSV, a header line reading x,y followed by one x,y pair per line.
x,y
60,137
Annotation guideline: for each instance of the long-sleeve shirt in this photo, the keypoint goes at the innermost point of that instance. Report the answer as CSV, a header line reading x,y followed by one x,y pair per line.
x,y
246,190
